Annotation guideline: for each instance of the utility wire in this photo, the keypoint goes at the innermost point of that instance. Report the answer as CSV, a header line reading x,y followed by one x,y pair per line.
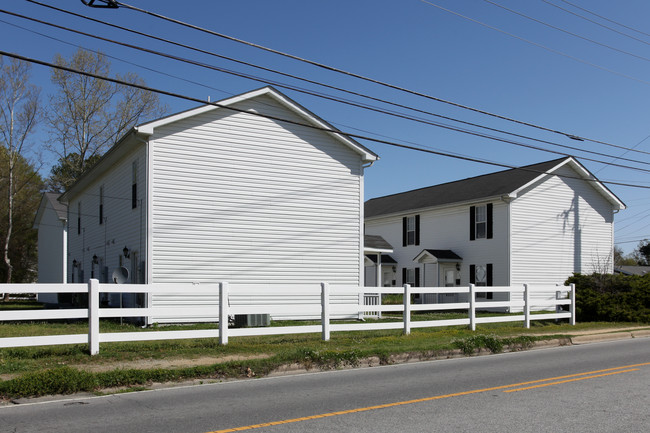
x,y
596,22
378,82
544,47
301,79
647,59
311,126
604,18
364,106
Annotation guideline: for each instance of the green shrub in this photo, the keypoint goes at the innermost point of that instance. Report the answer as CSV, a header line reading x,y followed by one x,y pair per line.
x,y
612,298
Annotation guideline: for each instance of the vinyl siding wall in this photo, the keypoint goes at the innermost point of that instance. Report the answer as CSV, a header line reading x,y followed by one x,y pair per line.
x,y
51,233
448,229
559,227
123,225
244,199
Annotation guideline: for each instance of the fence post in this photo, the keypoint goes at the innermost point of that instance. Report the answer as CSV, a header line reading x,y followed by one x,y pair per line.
x,y
407,309
526,306
472,307
325,310
572,307
223,313
93,316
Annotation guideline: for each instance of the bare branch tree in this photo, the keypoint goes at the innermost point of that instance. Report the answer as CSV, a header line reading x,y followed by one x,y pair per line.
x,y
18,116
87,115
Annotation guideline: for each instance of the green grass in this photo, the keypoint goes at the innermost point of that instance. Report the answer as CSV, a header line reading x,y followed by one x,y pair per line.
x,y
33,371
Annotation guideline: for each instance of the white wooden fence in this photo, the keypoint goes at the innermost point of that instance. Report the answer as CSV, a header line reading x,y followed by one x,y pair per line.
x,y
241,299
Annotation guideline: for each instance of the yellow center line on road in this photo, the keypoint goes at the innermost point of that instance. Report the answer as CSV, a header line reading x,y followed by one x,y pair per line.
x,y
571,380
571,377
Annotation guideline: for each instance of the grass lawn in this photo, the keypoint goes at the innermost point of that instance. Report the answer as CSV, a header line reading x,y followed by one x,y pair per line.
x,y
68,368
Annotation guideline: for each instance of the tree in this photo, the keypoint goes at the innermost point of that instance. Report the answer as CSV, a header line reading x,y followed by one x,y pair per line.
x,y
88,115
620,259
18,116
642,253
22,247
67,171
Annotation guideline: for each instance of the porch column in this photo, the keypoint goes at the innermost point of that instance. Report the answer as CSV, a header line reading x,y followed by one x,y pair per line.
x,y
378,271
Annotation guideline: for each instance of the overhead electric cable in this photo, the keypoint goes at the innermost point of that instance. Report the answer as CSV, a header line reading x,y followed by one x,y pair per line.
x,y
605,18
311,126
313,82
358,105
374,81
552,50
647,59
596,22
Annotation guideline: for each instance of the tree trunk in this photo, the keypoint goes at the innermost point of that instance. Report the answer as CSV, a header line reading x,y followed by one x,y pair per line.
x,y
10,222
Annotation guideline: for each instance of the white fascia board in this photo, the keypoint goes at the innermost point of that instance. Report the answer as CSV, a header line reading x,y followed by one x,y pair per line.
x,y
367,250
583,173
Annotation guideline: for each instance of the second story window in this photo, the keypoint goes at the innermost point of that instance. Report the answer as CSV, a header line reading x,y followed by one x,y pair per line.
x,y
480,222
79,218
411,230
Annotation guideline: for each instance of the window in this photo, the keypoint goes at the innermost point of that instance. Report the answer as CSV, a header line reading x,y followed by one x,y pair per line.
x,y
481,275
101,204
134,184
480,222
411,230
411,276
78,218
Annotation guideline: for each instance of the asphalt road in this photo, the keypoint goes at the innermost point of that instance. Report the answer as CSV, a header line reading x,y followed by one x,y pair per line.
x,y
602,387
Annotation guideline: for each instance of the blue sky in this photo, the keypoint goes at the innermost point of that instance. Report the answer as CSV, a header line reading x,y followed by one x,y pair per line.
x,y
589,90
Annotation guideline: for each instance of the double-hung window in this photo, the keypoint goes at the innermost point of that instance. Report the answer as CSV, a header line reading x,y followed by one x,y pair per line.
x,y
411,276
411,230
480,222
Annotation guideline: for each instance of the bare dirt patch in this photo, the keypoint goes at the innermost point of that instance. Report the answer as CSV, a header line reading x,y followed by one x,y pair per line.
x,y
170,363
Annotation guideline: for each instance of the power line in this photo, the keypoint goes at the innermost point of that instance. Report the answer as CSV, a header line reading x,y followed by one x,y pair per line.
x,y
311,126
568,32
544,47
596,22
602,17
378,82
363,106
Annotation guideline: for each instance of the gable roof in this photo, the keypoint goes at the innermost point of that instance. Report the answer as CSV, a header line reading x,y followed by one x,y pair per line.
x,y
135,136
310,118
49,200
502,183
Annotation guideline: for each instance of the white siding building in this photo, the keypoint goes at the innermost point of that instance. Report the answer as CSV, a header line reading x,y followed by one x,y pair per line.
x,y
51,221
536,224
249,190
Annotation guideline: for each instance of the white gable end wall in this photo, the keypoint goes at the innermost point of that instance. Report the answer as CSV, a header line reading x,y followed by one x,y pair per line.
x,y
554,219
243,198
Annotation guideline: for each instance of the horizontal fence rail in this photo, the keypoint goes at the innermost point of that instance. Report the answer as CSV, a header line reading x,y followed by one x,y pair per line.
x,y
316,300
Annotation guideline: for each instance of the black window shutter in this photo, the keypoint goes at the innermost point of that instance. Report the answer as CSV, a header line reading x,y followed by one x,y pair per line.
x,y
489,220
472,274
417,230
472,223
404,231
417,277
489,274
134,196
403,275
